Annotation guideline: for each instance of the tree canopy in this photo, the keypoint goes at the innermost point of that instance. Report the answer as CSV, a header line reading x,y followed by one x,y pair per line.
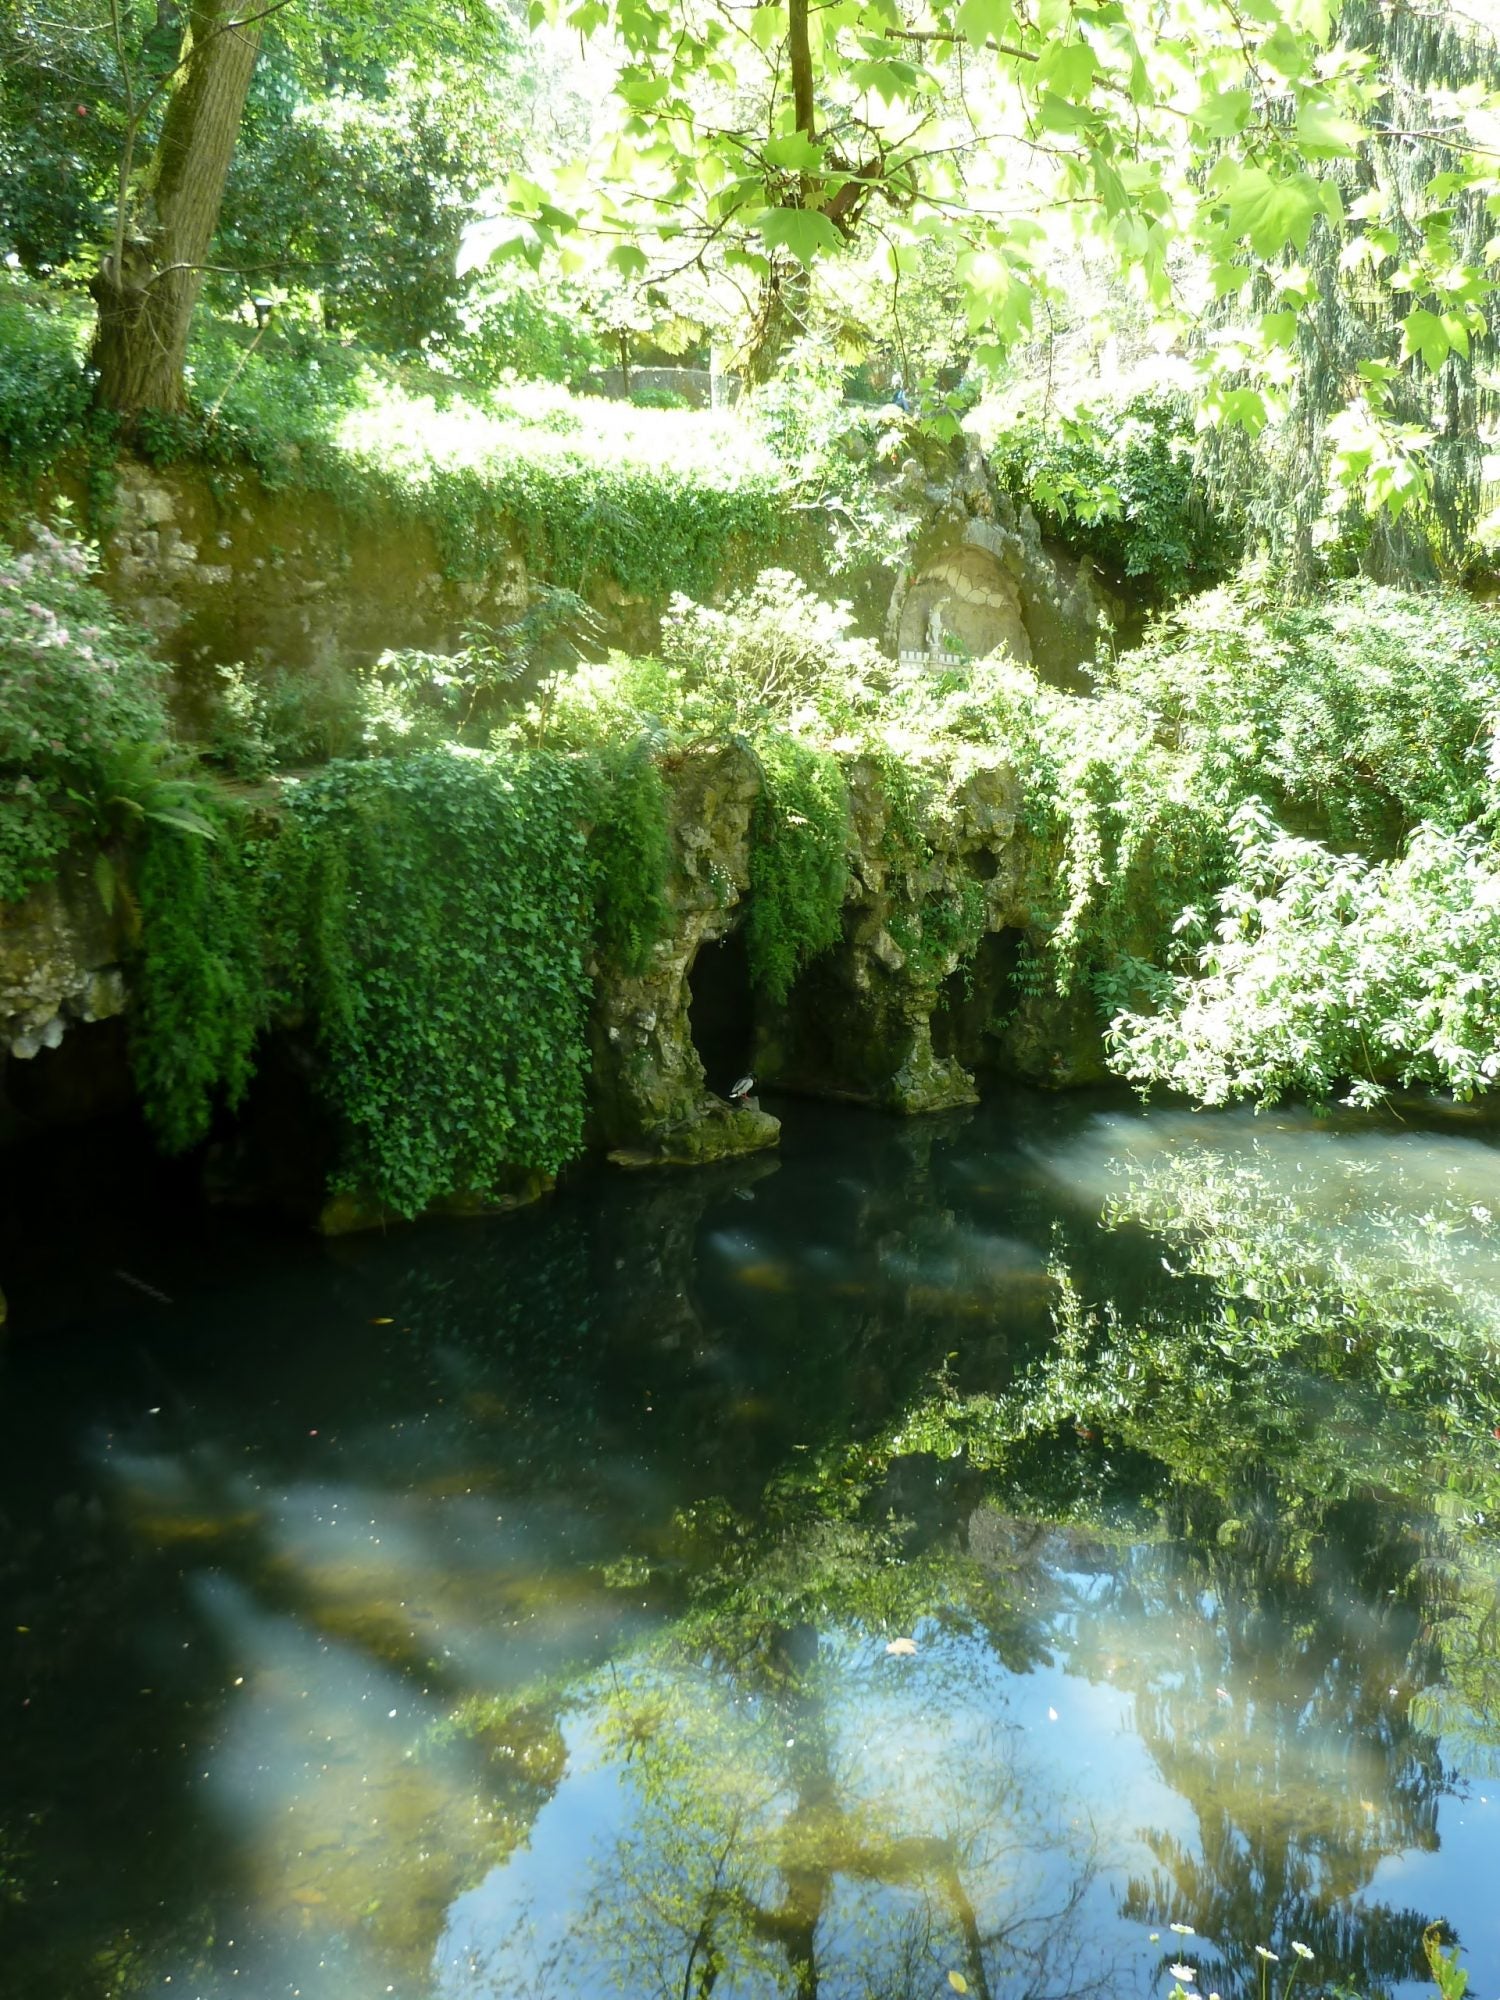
x,y
1239,161
1300,196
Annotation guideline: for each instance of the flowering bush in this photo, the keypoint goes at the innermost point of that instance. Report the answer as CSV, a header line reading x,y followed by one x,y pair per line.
x,y
76,684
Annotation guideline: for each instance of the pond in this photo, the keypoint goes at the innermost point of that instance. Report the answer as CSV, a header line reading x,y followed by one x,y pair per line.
x,y
942,1556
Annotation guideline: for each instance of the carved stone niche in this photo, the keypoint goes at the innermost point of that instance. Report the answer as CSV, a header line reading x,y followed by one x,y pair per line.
x,y
962,606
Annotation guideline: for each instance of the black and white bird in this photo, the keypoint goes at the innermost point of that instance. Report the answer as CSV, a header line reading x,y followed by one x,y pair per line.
x,y
742,1090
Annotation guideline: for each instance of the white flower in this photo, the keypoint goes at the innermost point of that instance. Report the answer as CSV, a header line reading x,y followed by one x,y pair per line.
x,y
1261,1952
1301,1950
1182,1972
1182,1930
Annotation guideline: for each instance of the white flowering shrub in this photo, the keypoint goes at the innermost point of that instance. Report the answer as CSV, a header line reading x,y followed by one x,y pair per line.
x,y
77,687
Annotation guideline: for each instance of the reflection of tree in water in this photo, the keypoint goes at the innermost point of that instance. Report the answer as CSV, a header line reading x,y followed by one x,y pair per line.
x,y
1287,1438
1284,1435
1279,1714
768,1849
705,1894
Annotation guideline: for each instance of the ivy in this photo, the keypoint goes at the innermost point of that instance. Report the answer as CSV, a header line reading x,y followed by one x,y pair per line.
x,y
630,852
799,862
435,912
199,997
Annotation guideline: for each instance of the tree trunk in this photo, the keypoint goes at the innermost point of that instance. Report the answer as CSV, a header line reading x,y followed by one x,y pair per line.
x,y
148,284
782,313
780,318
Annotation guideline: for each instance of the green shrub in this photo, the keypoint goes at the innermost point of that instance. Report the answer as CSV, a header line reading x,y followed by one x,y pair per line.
x,y
657,396
1358,716
799,862
1116,482
435,914
837,457
509,327
776,652
76,687
1326,970
45,397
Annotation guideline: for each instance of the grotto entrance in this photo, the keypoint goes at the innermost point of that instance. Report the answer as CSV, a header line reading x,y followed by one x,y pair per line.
x,y
721,1011
975,1002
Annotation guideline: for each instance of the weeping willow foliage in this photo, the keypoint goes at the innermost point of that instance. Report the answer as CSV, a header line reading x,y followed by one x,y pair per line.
x,y
1276,482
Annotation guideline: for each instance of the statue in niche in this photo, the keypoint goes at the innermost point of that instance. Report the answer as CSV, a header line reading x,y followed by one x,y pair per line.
x,y
936,636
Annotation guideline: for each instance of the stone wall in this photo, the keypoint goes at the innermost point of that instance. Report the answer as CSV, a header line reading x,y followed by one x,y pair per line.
x,y
61,963
223,570
220,569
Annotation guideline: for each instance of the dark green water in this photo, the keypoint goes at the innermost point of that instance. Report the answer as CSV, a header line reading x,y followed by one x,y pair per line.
x,y
965,1547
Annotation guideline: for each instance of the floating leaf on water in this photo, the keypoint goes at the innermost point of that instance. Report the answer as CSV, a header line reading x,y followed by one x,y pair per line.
x,y
957,1981
903,1647
382,1322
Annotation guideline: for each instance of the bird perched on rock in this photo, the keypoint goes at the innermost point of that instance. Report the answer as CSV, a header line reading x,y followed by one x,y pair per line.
x,y
742,1090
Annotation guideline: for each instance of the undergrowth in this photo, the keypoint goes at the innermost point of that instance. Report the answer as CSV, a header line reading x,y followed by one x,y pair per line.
x,y
82,711
630,854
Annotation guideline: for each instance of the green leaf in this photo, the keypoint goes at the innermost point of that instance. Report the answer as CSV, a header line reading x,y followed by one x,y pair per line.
x,y
795,151
889,79
628,260
806,232
1223,114
767,26
1458,334
1068,68
978,20
1271,210
1057,114
1324,130
1424,334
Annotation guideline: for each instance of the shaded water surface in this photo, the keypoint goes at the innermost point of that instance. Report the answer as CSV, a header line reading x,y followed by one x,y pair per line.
x,y
966,1548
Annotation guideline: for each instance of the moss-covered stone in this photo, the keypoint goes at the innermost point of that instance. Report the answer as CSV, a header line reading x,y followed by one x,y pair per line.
x,y
651,1101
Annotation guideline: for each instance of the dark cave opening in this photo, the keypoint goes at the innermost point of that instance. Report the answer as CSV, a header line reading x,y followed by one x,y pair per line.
x,y
721,1011
975,1000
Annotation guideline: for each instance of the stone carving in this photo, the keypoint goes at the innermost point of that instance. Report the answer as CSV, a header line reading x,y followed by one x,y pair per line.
x,y
980,580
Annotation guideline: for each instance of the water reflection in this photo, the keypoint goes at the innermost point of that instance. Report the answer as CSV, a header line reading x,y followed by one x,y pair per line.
x,y
508,1609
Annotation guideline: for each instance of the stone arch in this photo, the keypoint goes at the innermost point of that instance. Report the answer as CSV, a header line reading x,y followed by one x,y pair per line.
x,y
961,605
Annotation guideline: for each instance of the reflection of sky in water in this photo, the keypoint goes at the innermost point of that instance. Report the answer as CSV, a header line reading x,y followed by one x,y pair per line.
x,y
945,1747
345,1534
1042,1781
